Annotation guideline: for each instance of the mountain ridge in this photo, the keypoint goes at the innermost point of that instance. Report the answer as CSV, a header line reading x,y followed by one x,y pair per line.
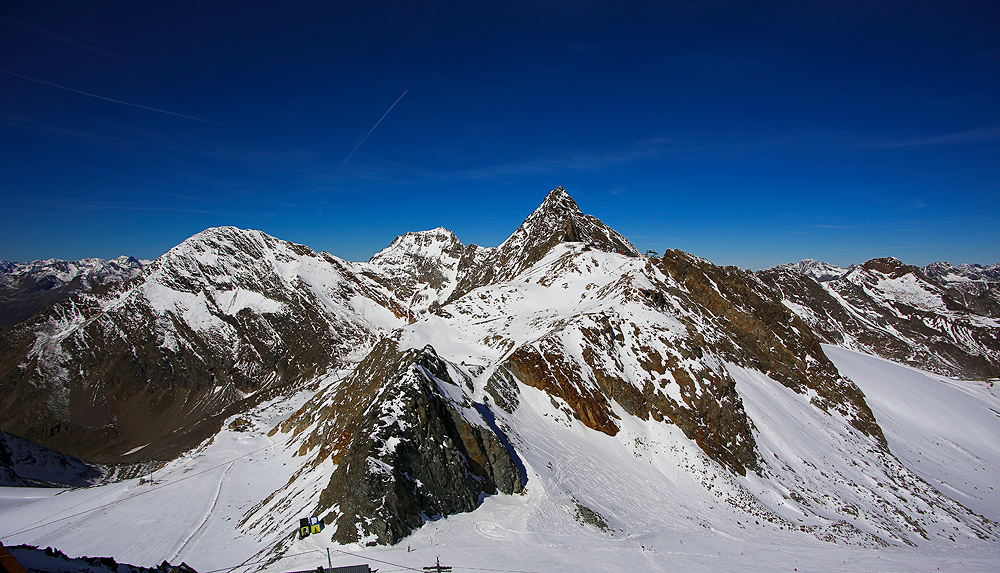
x,y
27,288
897,311
439,374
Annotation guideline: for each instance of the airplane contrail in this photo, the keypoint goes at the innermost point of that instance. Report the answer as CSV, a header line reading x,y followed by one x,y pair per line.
x,y
107,98
62,38
372,129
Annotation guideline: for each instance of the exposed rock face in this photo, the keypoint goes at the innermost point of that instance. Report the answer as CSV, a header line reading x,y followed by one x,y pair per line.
x,y
893,310
155,363
408,442
755,330
30,287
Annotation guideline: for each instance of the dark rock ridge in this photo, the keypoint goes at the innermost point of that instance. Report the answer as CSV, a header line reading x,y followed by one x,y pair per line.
x,y
890,309
50,560
409,444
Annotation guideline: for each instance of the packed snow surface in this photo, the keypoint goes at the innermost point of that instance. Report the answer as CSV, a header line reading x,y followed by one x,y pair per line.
x,y
958,448
635,501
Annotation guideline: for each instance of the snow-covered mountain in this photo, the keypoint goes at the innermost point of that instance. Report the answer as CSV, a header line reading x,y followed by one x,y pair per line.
x,y
949,273
638,500
558,393
890,309
26,288
422,269
557,220
975,286
818,270
147,367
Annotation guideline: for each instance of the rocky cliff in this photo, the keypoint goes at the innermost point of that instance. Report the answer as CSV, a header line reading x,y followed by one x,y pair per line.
x,y
408,444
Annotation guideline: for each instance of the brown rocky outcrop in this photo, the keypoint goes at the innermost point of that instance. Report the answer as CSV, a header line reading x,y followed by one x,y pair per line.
x,y
756,330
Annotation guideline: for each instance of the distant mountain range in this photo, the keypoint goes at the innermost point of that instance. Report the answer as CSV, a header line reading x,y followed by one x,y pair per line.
x,y
448,349
26,288
941,318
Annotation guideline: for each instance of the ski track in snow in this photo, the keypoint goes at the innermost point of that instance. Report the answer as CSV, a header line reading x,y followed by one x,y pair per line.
x,y
204,519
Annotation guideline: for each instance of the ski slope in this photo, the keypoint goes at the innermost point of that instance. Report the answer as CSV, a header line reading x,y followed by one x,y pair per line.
x,y
645,499
946,430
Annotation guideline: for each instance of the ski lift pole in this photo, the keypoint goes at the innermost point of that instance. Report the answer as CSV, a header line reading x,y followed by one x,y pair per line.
x,y
437,567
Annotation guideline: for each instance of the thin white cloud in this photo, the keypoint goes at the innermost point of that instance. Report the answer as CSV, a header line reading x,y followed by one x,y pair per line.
x,y
654,148
109,206
958,138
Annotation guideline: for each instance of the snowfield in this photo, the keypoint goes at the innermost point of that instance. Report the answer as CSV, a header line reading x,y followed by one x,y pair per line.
x,y
645,499
945,430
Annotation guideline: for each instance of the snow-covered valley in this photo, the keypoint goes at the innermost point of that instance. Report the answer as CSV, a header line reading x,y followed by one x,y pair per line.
x,y
645,488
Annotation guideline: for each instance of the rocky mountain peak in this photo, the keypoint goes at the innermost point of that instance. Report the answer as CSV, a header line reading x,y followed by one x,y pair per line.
x,y
229,258
891,266
422,267
228,238
557,202
557,220
419,244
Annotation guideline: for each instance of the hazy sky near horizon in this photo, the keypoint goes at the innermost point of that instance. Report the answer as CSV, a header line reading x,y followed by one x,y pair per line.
x,y
748,133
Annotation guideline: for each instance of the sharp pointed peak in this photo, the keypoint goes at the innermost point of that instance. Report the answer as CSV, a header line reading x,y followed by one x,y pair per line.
x,y
560,219
559,200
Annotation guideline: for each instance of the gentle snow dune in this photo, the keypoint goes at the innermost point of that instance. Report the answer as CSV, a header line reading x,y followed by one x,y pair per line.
x,y
649,484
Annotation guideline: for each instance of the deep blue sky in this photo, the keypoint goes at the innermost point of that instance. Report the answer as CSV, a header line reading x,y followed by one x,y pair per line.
x,y
749,133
